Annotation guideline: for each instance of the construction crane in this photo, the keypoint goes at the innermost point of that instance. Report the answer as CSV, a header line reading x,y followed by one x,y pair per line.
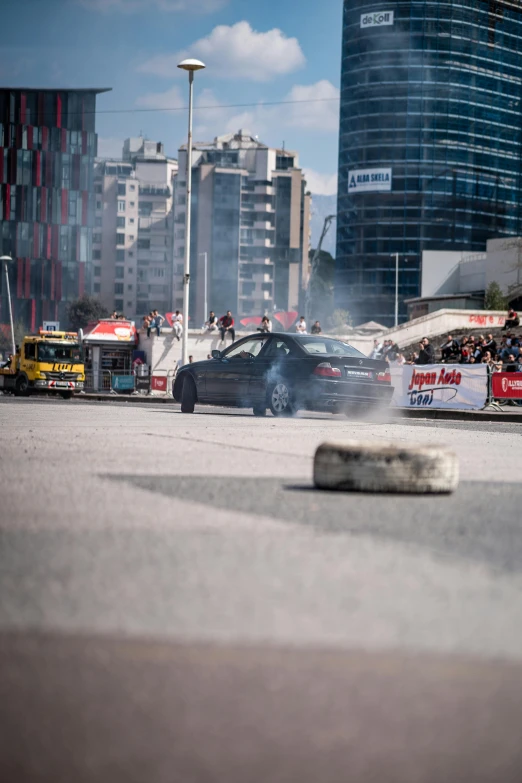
x,y
314,266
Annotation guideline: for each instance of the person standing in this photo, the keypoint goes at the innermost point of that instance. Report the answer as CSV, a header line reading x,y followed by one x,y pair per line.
x,y
226,324
177,324
300,326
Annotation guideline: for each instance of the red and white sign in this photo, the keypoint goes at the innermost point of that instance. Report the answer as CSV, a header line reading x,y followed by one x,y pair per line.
x,y
506,385
111,330
440,386
158,383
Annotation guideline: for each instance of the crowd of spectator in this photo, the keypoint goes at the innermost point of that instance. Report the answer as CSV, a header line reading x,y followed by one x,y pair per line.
x,y
502,356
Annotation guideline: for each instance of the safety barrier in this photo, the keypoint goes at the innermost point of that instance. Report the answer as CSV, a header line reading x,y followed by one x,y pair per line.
x,y
98,381
159,382
450,386
454,386
504,386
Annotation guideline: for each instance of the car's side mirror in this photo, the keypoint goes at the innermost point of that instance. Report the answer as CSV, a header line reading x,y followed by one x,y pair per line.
x,y
216,354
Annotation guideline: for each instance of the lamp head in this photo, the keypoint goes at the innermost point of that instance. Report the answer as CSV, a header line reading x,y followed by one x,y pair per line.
x,y
191,65
5,258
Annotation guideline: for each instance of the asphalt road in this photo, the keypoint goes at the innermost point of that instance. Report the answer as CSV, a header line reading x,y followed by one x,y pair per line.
x,y
177,603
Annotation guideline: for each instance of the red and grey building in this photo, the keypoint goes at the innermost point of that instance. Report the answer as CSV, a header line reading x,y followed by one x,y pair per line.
x,y
47,149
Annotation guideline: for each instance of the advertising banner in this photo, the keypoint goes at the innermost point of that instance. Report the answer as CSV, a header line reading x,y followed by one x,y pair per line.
x,y
377,19
158,383
454,386
123,382
369,180
506,385
110,330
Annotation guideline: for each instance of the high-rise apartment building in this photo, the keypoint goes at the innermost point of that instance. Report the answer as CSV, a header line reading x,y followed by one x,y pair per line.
x,y
430,145
47,149
250,228
132,241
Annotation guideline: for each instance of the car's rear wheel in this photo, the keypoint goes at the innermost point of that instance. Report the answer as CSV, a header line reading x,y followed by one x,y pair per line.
x,y
188,395
259,410
280,399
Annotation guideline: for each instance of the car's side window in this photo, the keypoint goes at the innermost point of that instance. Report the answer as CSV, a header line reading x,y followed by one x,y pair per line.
x,y
277,348
252,347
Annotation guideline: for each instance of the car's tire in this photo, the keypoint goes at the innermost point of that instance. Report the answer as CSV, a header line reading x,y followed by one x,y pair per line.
x,y
356,466
280,399
188,395
259,410
22,386
66,395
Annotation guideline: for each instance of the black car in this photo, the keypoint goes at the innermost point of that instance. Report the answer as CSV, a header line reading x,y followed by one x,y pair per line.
x,y
285,372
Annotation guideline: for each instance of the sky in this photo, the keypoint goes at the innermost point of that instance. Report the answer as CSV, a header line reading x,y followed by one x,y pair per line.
x,y
257,54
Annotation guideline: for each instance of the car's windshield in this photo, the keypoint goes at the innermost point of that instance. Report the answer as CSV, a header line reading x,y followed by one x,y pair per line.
x,y
65,354
329,347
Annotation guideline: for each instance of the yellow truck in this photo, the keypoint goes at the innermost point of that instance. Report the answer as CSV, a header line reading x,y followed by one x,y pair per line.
x,y
47,362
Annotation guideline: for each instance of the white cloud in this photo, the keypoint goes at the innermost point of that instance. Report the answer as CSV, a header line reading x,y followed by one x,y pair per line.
x,y
109,147
170,99
237,52
133,6
316,107
320,184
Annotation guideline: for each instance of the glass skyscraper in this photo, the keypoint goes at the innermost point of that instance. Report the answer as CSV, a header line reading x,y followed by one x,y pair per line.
x,y
430,141
47,150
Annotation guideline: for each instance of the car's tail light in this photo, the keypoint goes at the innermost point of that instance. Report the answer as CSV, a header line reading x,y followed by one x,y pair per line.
x,y
325,370
384,376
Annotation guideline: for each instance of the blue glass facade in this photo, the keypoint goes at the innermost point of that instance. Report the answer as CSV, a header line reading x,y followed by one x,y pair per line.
x,y
431,97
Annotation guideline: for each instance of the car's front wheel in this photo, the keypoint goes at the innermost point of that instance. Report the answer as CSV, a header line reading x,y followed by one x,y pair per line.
x,y
188,395
280,399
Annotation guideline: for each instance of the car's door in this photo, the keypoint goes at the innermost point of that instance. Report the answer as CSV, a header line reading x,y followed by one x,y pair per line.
x,y
228,377
271,363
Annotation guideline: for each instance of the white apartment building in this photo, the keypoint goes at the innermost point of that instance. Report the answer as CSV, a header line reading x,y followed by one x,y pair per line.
x,y
250,233
133,235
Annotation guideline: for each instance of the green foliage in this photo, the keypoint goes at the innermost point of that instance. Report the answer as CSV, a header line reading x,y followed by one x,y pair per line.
x,y
494,299
339,321
84,310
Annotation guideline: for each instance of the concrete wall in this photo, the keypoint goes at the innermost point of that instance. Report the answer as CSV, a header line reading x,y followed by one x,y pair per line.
x,y
440,273
504,262
163,352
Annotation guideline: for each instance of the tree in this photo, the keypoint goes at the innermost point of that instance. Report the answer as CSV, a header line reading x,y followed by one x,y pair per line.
x,y
494,299
84,310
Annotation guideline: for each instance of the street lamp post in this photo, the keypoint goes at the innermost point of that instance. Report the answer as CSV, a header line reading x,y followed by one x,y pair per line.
x,y
7,260
396,287
191,66
205,297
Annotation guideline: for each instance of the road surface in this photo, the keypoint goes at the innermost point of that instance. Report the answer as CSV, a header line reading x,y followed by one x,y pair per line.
x,y
177,603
